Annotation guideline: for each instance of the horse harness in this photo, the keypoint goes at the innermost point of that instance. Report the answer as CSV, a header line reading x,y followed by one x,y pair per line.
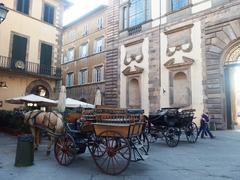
x,y
35,116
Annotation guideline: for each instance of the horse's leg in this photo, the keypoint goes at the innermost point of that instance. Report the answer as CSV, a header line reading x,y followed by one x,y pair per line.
x,y
33,130
50,142
37,132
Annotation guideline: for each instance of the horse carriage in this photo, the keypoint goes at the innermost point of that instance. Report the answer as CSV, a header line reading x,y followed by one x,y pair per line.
x,y
114,138
170,124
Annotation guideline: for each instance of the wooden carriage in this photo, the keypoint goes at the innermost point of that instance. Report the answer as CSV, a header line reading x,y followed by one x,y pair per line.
x,y
108,133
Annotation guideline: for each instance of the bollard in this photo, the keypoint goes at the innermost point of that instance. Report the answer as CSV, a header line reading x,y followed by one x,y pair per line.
x,y
212,126
25,151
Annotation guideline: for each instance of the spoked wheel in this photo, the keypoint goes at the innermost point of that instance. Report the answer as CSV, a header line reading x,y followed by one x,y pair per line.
x,y
65,150
139,147
98,146
172,136
192,133
116,153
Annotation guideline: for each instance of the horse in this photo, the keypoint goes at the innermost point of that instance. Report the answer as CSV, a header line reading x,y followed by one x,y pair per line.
x,y
52,122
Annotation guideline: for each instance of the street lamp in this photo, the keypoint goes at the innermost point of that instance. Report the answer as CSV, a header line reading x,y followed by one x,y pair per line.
x,y
3,84
3,12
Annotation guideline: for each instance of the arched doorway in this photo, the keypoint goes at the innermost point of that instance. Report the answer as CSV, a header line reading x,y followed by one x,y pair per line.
x,y
232,86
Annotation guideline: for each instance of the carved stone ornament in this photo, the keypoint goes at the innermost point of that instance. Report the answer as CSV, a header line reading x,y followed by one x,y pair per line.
x,y
184,47
187,62
128,71
179,39
133,52
19,64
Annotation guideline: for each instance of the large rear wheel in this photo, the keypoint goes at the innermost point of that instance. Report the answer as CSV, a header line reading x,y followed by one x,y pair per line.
x,y
115,153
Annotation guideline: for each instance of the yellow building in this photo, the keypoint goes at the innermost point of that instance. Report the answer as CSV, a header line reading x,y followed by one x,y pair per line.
x,y
84,55
30,47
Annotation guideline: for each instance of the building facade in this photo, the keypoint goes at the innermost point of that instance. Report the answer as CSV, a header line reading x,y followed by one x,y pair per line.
x,y
83,63
172,53
30,48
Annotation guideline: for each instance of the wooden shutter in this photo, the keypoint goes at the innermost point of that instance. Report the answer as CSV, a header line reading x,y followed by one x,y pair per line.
x,y
102,73
19,48
45,59
48,13
86,76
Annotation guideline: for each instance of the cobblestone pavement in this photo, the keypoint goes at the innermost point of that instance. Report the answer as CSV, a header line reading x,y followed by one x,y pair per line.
x,y
207,159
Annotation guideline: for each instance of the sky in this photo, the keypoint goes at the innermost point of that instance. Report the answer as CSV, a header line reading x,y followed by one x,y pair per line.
x,y
80,8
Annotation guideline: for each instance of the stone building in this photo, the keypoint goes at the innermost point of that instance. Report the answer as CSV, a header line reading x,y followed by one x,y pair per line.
x,y
83,65
175,53
30,48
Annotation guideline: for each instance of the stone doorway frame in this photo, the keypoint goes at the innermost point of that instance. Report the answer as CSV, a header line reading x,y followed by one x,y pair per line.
x,y
219,38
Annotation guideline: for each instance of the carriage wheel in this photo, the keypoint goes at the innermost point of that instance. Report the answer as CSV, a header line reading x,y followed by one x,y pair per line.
x,y
116,153
97,146
139,147
65,150
192,133
172,137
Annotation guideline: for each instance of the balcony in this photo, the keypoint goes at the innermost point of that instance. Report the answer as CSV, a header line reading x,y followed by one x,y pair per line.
x,y
135,30
31,68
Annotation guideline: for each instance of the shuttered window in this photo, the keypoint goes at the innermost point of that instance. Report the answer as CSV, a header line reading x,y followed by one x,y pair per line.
x,y
48,13
98,74
69,79
23,6
83,77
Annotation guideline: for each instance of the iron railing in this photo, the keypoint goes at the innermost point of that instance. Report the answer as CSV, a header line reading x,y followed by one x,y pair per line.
x,y
29,67
134,30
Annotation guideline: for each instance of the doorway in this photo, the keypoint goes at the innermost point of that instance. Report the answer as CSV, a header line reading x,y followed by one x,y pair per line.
x,y
232,92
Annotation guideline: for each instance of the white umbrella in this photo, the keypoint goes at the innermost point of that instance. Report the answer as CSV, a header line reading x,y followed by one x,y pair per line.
x,y
62,100
31,98
73,103
98,98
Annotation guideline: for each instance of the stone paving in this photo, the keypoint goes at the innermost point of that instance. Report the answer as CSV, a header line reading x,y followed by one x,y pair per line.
x,y
208,159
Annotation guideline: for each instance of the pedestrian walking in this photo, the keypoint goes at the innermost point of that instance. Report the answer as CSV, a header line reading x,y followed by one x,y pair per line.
x,y
204,129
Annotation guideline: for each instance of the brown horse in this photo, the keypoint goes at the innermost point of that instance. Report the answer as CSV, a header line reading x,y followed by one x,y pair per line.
x,y
52,122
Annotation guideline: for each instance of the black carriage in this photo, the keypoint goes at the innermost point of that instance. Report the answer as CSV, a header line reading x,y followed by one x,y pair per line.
x,y
113,137
170,123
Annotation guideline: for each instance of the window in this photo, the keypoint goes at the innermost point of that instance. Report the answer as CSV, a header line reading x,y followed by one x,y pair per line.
x,y
70,54
178,4
98,74
83,77
83,50
23,6
99,45
100,23
69,79
48,13
71,36
125,18
135,13
85,30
